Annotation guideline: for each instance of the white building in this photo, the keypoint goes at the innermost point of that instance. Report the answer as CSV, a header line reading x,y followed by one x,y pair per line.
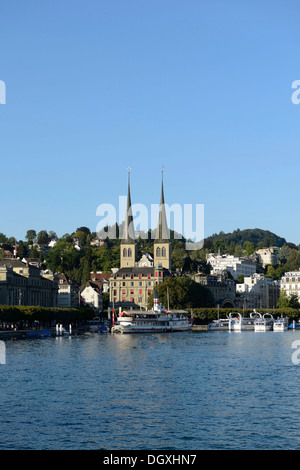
x,y
68,292
146,261
233,264
267,256
258,291
91,295
290,282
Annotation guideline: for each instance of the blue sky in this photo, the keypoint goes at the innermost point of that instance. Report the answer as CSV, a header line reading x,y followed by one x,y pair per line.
x,y
203,88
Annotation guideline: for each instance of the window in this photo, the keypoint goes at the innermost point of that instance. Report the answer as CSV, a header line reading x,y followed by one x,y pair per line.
x,y
124,252
140,276
129,252
158,251
163,252
124,291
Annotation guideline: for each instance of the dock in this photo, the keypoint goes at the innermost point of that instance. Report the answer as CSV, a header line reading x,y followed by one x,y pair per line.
x,y
200,328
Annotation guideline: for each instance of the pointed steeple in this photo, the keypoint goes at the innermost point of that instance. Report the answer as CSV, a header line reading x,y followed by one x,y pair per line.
x,y
162,233
128,234
162,245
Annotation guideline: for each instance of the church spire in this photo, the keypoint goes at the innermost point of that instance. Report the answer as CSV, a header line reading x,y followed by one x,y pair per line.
x,y
128,245
162,233
162,245
128,234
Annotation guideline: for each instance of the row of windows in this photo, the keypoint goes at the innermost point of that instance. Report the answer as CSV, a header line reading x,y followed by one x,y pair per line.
x,y
161,252
132,283
140,276
132,292
127,252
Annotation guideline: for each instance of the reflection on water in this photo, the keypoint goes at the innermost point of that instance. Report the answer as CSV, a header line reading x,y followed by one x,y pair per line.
x,y
157,391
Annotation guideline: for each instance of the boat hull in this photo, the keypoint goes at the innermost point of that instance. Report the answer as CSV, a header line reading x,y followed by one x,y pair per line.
x,y
218,325
263,327
131,328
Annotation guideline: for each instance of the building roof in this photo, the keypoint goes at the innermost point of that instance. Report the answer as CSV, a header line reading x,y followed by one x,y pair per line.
x,y
100,276
140,270
97,286
13,263
66,281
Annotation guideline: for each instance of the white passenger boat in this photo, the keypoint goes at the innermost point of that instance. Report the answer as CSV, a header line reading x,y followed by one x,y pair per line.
x,y
239,323
265,323
280,324
219,325
157,320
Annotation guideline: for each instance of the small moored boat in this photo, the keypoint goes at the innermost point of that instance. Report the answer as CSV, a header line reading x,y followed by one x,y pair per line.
x,y
219,325
265,323
239,323
280,324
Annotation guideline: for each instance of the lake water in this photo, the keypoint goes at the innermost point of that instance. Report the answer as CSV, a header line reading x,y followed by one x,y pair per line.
x,y
180,391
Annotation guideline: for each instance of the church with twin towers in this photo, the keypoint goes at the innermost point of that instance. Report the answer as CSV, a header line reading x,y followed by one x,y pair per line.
x,y
136,279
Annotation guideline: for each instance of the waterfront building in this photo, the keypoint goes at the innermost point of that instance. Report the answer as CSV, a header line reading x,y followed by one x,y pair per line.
x,y
290,283
68,292
258,291
91,295
234,265
131,285
25,284
221,286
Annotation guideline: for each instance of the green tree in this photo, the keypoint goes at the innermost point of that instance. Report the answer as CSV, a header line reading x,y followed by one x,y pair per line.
x,y
283,300
42,237
294,301
85,271
21,250
30,236
249,248
3,238
183,293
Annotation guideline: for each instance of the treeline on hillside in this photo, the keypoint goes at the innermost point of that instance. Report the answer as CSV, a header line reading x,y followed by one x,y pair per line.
x,y
74,255
258,237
